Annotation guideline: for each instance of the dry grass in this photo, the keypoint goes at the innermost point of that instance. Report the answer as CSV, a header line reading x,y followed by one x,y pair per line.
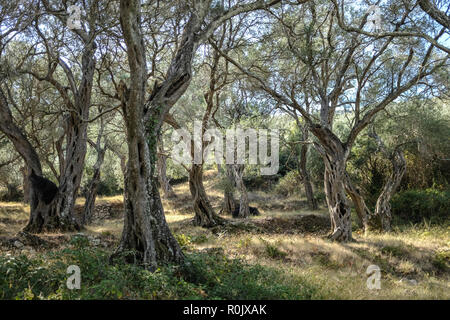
x,y
405,256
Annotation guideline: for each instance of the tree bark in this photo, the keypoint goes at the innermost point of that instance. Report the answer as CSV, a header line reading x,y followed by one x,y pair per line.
x,y
162,173
229,203
244,210
335,155
435,13
93,185
204,213
382,216
145,230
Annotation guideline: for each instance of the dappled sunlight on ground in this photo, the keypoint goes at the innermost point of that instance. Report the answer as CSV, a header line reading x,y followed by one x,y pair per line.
x,y
292,239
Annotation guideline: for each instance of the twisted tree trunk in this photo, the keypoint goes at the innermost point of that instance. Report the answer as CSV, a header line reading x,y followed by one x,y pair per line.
x,y
204,213
335,155
244,210
46,212
382,216
229,203
338,206
145,232
162,175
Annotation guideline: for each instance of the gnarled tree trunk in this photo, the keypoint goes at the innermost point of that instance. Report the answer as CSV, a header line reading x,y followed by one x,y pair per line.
x,y
45,208
361,208
335,155
204,213
229,203
338,206
145,230
381,217
244,210
162,174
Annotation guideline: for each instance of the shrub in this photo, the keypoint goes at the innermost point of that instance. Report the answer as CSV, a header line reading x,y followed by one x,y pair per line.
x,y
289,184
273,252
416,205
441,260
183,240
205,275
223,278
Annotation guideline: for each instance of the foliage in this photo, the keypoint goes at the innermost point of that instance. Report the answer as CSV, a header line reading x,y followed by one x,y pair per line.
x,y
211,276
416,205
288,185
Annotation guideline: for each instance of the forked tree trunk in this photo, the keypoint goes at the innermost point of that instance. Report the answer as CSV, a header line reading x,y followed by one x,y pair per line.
x,y
204,213
382,216
145,230
61,210
51,215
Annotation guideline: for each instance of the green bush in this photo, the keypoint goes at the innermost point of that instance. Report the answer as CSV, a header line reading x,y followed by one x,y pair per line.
x,y
204,276
289,184
223,278
416,205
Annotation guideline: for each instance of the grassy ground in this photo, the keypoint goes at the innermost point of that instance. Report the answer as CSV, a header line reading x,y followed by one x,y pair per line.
x,y
282,254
